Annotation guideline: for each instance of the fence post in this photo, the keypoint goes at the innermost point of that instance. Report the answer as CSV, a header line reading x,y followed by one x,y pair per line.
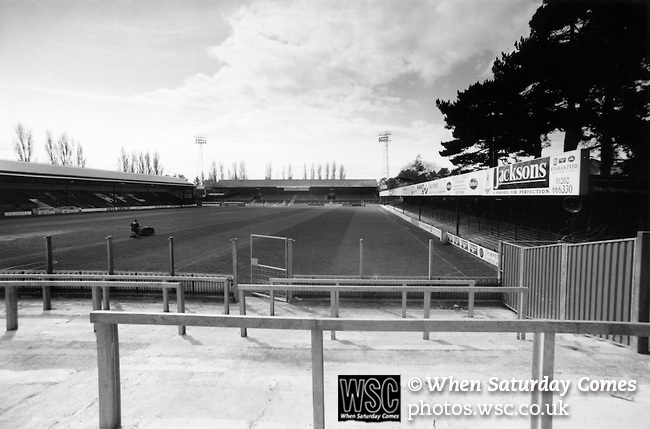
x,y
235,268
430,259
641,288
535,394
171,273
520,278
361,258
548,365
289,272
271,302
11,303
108,368
180,306
500,263
427,311
47,297
171,256
111,270
334,307
564,280
318,384
470,299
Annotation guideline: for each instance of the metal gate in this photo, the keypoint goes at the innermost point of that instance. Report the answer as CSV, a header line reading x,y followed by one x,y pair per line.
x,y
586,281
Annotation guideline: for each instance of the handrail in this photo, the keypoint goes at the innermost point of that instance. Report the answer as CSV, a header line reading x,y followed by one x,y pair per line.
x,y
106,277
372,281
108,364
110,276
98,288
334,287
375,325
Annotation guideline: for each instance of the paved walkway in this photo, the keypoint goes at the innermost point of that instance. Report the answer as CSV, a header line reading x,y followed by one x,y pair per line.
x,y
213,378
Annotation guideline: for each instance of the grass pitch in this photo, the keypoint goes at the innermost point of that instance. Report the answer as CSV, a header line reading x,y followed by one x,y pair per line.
x,y
326,242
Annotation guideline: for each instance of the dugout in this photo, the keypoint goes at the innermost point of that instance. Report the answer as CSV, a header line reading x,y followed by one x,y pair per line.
x,y
294,191
42,188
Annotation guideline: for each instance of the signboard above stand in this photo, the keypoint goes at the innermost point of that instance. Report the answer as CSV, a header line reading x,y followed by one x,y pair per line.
x,y
566,174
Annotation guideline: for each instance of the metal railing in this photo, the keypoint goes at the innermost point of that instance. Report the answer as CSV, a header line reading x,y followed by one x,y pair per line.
x,y
543,360
72,280
98,288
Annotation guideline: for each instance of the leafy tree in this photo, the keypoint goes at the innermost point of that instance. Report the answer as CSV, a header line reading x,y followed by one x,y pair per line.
x,y
477,120
592,62
583,70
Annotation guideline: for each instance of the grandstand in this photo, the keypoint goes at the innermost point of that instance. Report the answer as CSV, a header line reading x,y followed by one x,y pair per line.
x,y
34,188
292,191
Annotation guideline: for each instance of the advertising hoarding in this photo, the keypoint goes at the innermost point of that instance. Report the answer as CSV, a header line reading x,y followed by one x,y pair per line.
x,y
565,174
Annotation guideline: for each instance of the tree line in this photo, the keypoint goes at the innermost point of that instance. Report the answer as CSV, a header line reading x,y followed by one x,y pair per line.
x,y
62,151
69,152
238,171
140,162
417,171
584,70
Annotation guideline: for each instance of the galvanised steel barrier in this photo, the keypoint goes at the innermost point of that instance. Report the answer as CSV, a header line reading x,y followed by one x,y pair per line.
x,y
605,280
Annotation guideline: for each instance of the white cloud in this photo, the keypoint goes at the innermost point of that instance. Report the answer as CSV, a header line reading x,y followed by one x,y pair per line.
x,y
313,81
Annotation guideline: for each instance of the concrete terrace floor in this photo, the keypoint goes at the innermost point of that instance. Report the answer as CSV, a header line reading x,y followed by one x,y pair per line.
x,y
213,378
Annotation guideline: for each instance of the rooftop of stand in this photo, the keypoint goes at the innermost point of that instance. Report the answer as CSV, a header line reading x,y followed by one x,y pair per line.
x,y
47,171
288,183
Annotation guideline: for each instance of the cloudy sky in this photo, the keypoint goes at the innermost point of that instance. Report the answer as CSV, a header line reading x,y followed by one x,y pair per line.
x,y
280,82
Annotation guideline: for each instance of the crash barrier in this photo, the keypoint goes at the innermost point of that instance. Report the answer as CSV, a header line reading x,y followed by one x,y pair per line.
x,y
71,280
336,286
11,297
543,359
195,283
605,280
396,280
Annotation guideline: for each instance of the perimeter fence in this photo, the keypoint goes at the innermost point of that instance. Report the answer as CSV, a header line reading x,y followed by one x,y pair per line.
x,y
587,281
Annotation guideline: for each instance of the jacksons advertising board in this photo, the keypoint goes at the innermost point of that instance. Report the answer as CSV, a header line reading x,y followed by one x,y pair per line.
x,y
565,174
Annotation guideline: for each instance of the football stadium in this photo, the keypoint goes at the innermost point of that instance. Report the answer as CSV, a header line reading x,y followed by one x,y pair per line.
x,y
308,214
248,262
